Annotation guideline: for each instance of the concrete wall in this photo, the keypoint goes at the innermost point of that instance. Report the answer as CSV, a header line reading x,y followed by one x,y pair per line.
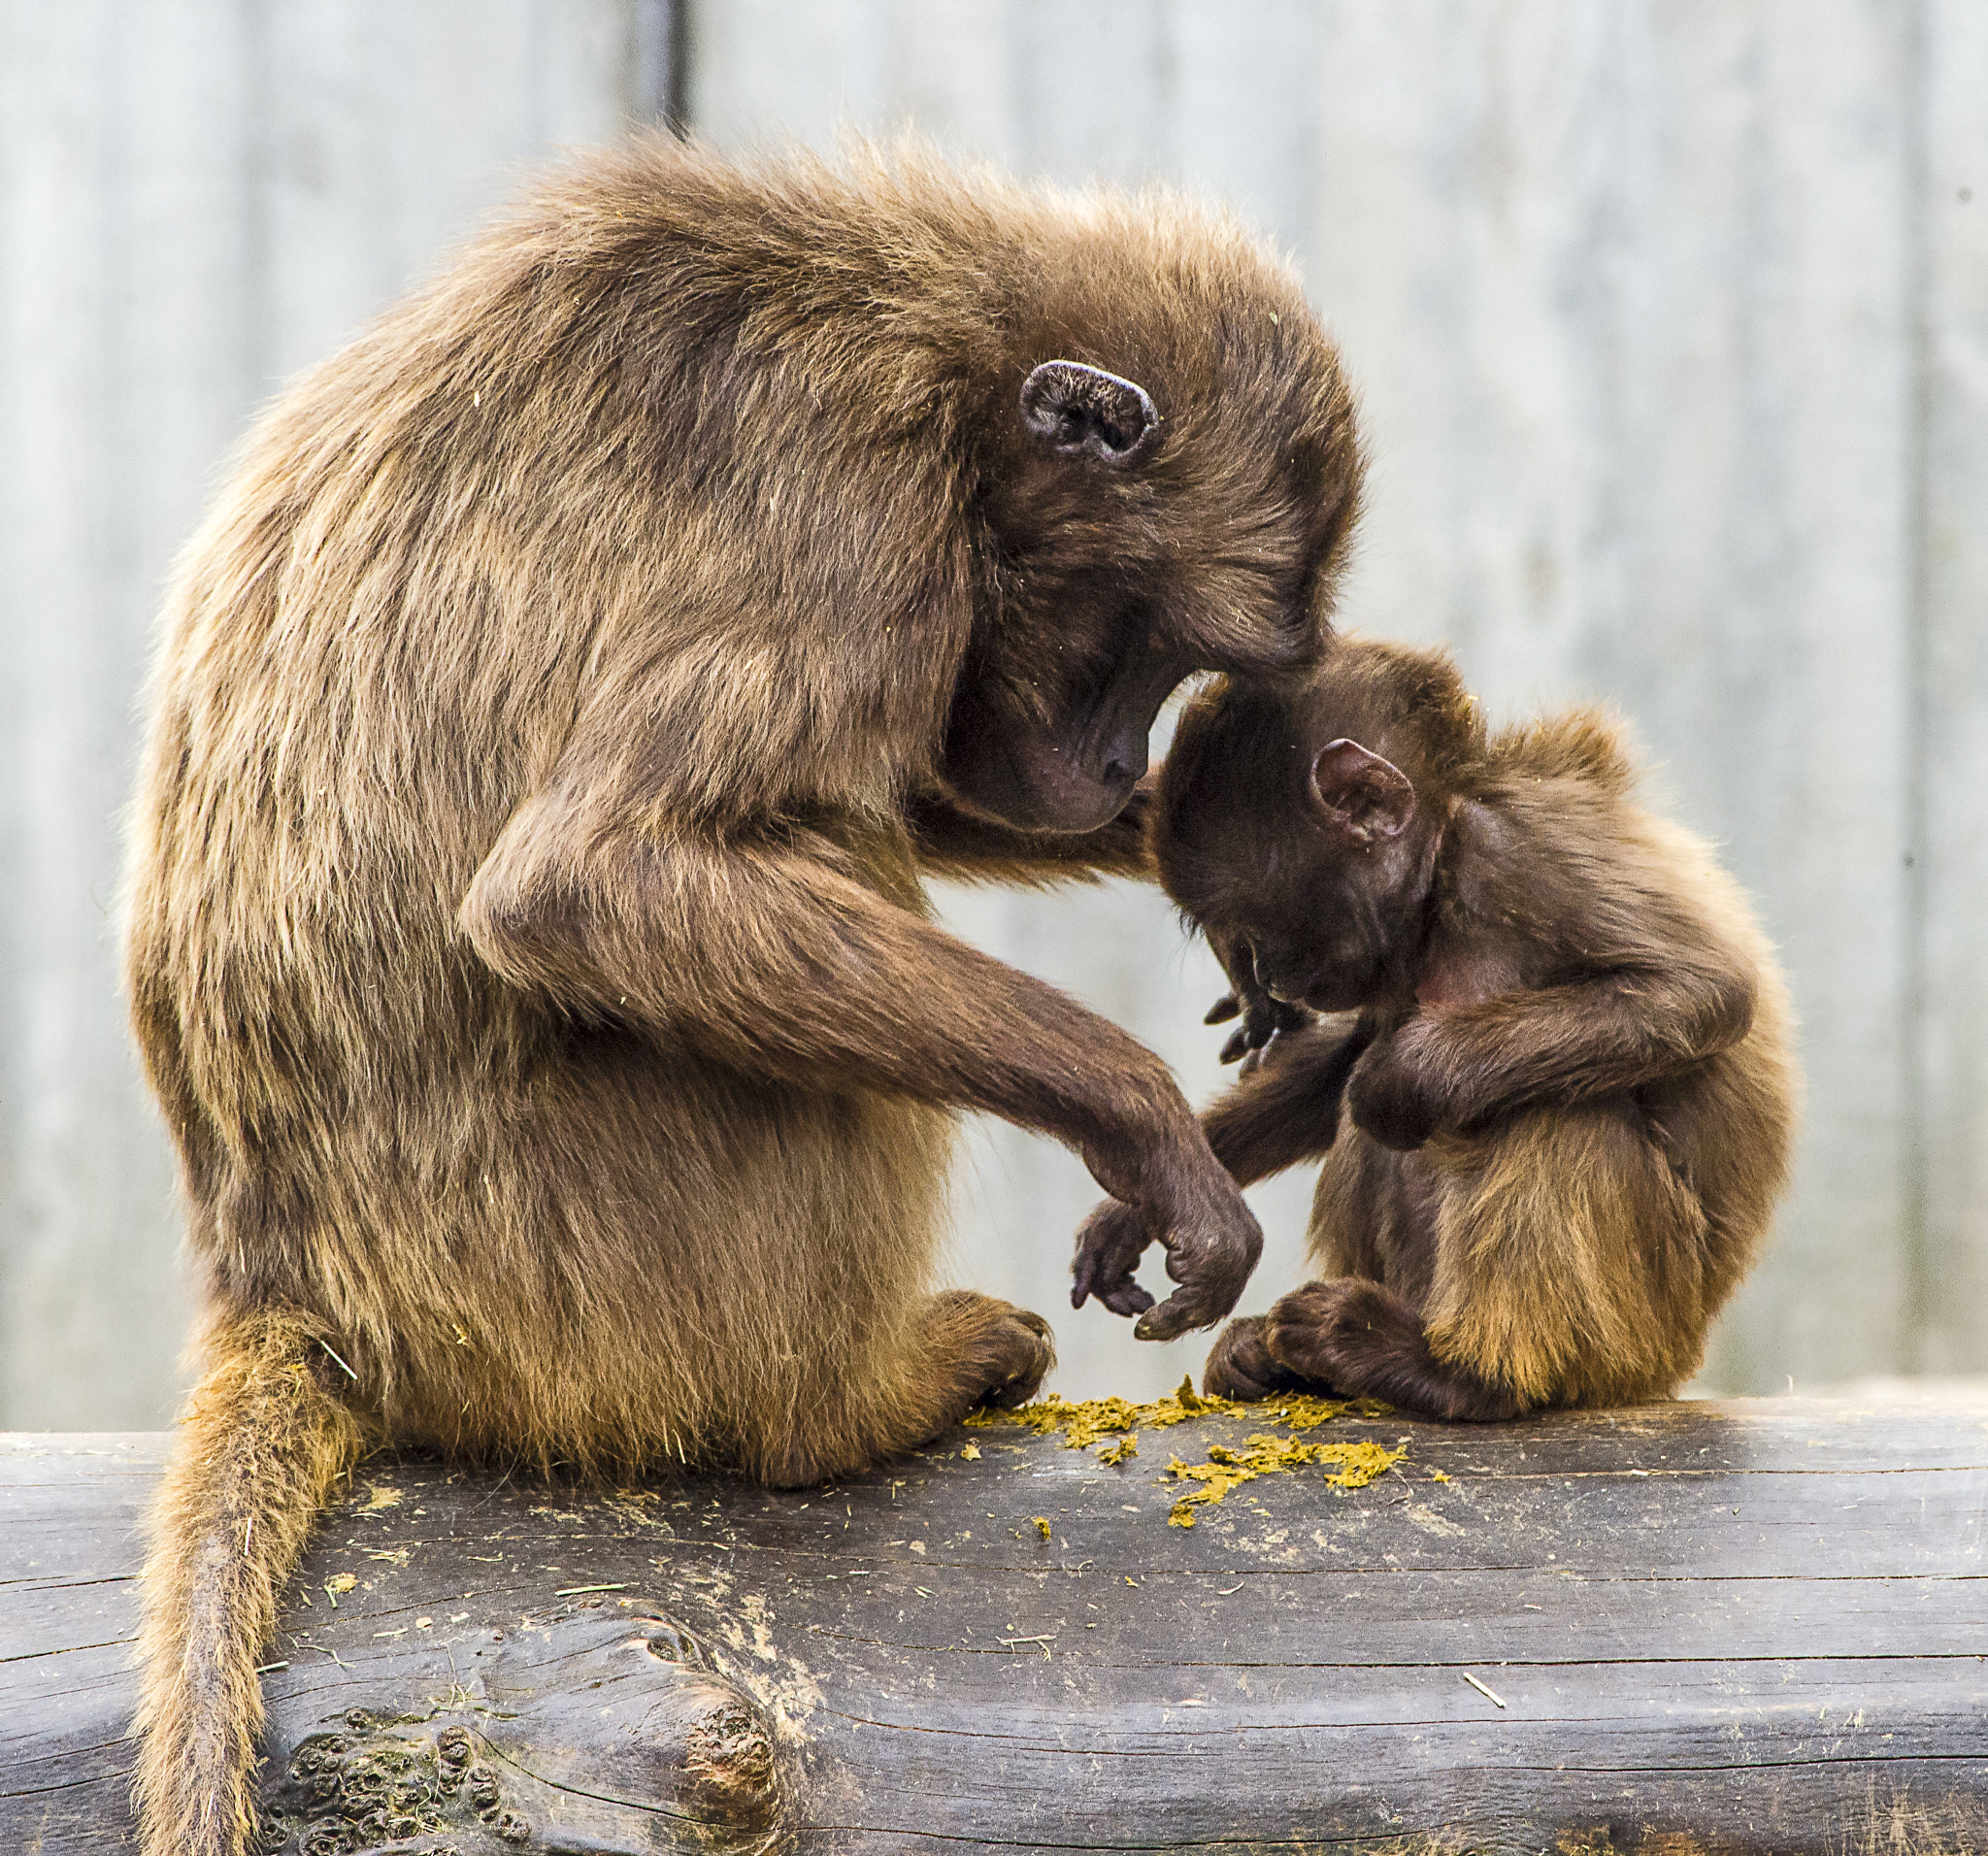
x,y
1671,329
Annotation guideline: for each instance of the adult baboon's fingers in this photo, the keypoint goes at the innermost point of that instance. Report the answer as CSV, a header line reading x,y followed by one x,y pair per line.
x,y
1212,1261
1180,1313
1227,1006
1108,1247
1197,1303
1128,1299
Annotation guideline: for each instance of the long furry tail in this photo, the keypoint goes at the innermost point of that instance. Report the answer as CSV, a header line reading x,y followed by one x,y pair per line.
x,y
263,1439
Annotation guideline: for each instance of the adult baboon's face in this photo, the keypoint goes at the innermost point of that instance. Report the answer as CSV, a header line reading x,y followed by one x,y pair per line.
x,y
1131,539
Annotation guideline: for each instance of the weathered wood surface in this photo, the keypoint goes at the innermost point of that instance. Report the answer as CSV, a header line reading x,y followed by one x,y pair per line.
x,y
1760,1624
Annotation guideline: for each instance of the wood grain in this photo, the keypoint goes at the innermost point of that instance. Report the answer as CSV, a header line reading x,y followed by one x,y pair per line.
x,y
1758,1624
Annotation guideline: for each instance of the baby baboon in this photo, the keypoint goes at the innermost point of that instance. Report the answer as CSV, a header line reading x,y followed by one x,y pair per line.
x,y
1560,1038
554,721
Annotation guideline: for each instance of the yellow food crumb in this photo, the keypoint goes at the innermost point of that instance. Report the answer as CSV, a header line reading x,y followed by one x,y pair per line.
x,y
337,1583
1042,1525
1083,1422
1436,1476
971,1451
1262,1455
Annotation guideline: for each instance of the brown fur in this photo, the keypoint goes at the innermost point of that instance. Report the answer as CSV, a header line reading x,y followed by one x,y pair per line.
x,y
554,721
262,1444
1555,1101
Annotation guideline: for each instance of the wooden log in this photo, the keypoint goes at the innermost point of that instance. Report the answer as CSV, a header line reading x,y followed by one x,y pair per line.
x,y
1749,1625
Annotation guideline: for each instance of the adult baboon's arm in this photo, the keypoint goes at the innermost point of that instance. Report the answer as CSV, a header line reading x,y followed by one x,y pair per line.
x,y
763,946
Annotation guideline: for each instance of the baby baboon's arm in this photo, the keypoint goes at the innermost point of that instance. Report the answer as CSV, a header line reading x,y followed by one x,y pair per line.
x,y
1287,1111
1573,1043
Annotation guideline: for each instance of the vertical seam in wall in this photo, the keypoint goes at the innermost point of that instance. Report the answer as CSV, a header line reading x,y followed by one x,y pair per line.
x,y
1915,1094
678,41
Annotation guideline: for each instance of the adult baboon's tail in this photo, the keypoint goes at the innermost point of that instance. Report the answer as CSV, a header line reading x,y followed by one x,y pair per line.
x,y
262,1441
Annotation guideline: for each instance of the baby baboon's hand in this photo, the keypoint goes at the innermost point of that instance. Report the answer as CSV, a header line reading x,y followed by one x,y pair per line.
x,y
1108,1247
1389,1094
1263,1017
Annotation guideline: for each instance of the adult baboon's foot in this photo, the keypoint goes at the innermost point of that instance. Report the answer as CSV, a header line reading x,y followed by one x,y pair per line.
x,y
996,1353
966,1350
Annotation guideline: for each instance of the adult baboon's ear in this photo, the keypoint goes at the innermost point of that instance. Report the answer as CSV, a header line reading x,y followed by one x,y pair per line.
x,y
1358,793
1076,409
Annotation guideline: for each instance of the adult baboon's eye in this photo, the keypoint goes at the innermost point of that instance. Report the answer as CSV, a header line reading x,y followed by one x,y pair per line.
x,y
1077,409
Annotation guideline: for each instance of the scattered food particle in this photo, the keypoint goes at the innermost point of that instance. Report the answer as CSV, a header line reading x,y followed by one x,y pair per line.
x,y
337,1584
1042,1525
1083,1422
570,1591
1263,1454
424,1623
971,1451
1436,1476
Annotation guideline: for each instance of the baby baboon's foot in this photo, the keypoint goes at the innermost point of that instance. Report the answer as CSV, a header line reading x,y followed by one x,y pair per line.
x,y
999,1354
1240,1366
1363,1341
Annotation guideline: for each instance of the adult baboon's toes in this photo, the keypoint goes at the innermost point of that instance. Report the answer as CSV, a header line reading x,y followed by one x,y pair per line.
x,y
998,1352
1015,1357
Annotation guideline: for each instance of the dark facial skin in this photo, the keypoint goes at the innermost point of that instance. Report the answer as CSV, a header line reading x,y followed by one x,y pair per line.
x,y
1319,899
1073,768
1074,772
1092,623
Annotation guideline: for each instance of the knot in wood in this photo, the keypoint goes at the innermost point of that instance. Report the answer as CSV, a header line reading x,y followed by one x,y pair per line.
x,y
729,1765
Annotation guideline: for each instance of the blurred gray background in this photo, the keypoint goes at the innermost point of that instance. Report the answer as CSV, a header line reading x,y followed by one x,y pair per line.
x,y
1670,321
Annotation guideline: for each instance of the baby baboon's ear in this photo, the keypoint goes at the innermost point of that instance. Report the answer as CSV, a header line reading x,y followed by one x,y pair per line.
x,y
1359,794
1074,409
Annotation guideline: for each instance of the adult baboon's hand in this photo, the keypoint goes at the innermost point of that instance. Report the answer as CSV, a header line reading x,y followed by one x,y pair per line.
x,y
1212,1243
1108,1247
1212,1249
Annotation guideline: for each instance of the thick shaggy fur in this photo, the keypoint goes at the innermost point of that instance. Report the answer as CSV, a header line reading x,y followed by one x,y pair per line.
x,y
262,1445
1555,1101
553,722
